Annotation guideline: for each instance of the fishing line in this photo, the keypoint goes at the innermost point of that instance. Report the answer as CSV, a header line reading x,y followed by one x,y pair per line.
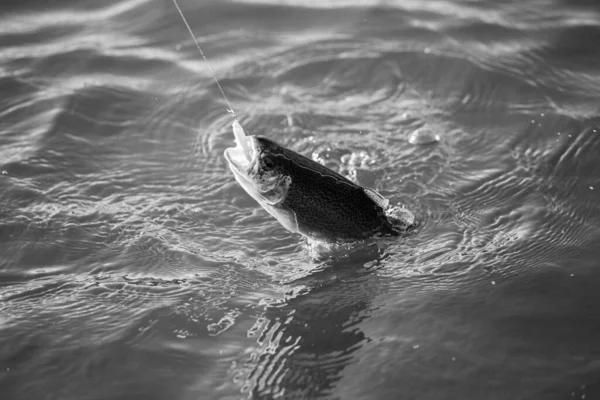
x,y
230,110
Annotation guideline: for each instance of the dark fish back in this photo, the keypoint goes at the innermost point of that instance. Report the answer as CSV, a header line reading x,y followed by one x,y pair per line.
x,y
329,206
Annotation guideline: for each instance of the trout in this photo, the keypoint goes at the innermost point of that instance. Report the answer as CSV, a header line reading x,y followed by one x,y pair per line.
x,y
309,198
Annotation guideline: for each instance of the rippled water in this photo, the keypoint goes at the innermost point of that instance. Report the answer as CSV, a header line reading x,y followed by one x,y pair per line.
x,y
133,266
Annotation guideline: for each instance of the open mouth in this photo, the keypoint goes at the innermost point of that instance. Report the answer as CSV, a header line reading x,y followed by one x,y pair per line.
x,y
244,154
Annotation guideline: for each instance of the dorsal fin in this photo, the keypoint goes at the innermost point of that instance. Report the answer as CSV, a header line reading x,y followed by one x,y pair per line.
x,y
377,198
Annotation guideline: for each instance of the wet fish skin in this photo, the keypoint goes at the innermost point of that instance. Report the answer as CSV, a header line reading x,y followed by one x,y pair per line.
x,y
311,199
328,206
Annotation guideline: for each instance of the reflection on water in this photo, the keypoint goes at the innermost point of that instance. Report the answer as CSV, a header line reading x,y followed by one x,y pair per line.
x,y
133,266
310,334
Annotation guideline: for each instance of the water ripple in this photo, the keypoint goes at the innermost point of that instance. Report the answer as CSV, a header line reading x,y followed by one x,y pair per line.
x,y
133,264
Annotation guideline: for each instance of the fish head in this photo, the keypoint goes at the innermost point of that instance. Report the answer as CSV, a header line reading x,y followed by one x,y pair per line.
x,y
261,169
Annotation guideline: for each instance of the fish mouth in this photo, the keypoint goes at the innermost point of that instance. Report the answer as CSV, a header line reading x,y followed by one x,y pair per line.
x,y
242,157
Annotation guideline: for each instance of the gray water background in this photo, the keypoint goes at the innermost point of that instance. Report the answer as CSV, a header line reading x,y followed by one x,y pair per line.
x,y
132,266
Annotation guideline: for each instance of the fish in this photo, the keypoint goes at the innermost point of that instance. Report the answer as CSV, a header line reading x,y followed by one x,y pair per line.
x,y
308,198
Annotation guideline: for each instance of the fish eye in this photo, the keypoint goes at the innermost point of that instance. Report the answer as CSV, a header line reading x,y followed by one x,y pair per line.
x,y
268,162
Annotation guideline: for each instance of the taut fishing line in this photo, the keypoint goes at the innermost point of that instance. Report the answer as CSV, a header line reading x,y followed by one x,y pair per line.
x,y
230,110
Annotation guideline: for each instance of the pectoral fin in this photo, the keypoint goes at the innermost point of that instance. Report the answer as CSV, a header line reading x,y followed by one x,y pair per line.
x,y
286,217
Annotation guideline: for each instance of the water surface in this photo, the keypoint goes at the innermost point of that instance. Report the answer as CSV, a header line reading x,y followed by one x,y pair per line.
x,y
132,266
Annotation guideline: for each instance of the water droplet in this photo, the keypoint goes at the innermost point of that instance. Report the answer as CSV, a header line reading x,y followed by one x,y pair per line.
x,y
356,159
423,136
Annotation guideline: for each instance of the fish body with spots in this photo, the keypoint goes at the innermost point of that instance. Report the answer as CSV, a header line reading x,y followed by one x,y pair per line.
x,y
307,197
